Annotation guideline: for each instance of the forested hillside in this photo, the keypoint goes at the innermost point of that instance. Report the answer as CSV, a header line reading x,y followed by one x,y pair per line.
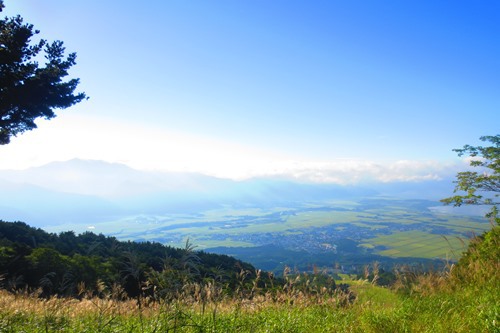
x,y
69,264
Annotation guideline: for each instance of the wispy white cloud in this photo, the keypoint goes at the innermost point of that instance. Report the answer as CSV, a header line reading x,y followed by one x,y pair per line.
x,y
150,148
358,171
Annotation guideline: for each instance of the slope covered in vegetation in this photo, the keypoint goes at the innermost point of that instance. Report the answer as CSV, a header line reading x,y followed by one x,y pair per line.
x,y
462,298
66,264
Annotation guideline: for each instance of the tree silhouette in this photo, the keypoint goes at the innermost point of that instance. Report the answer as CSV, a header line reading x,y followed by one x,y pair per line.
x,y
480,187
28,90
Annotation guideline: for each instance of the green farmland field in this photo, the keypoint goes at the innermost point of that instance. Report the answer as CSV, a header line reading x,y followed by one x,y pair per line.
x,y
326,231
420,245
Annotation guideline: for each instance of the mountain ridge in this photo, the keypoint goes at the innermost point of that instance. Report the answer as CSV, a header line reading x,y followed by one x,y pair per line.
x,y
90,190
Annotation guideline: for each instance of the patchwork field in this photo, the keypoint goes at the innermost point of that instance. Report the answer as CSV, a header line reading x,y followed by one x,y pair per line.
x,y
418,244
334,231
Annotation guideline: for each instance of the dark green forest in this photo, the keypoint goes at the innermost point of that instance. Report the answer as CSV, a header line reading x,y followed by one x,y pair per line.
x,y
67,264
70,265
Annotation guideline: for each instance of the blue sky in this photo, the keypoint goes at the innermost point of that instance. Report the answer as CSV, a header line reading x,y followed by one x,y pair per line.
x,y
316,90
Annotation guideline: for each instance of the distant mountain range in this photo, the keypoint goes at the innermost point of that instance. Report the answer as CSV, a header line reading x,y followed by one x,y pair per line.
x,y
82,191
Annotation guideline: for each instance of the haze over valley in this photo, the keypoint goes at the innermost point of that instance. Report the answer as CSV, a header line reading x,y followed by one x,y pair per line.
x,y
267,222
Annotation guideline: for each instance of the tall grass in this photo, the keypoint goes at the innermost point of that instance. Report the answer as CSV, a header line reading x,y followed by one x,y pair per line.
x,y
376,309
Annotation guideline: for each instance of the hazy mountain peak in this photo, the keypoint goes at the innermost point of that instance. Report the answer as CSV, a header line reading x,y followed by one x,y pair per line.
x,y
94,177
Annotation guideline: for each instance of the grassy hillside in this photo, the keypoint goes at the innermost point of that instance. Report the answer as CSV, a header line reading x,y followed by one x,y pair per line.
x,y
462,298
376,310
